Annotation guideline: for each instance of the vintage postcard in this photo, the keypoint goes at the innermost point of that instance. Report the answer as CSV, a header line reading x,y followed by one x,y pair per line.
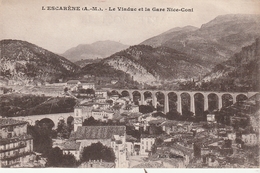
x,y
129,84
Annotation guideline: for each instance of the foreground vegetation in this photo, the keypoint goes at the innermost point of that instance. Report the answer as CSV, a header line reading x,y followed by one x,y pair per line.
x,y
26,104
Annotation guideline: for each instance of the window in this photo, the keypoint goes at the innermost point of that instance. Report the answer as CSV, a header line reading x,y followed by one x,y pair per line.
x,y
10,128
9,135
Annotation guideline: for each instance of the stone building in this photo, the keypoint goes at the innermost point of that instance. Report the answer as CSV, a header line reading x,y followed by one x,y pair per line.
x,y
110,136
16,145
147,142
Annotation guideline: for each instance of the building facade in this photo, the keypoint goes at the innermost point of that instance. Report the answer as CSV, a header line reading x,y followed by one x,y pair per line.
x,y
16,145
110,136
146,145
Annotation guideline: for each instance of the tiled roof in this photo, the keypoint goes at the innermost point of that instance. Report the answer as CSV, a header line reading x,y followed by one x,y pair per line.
x,y
148,135
71,145
169,123
158,121
98,132
150,164
183,149
130,138
15,139
101,110
72,82
97,165
87,104
8,121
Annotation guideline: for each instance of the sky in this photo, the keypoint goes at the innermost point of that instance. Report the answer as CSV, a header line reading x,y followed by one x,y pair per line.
x,y
59,30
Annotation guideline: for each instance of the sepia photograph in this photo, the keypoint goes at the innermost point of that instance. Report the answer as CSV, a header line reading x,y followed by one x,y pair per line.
x,y
129,84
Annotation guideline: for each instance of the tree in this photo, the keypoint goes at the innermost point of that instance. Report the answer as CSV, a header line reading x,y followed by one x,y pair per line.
x,y
158,114
42,138
69,160
66,89
173,115
56,158
130,130
63,129
110,102
90,122
90,91
97,151
144,109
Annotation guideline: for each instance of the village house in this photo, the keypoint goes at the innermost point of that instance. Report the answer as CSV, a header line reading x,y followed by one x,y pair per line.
x,y
164,155
111,136
231,136
72,83
254,121
16,145
101,94
171,126
86,85
130,140
114,81
97,164
84,110
100,100
185,152
102,115
103,106
250,139
147,142
131,117
71,147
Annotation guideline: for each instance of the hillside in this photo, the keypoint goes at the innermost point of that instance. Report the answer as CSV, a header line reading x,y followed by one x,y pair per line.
x,y
84,62
145,64
215,41
159,40
24,62
100,49
240,72
27,104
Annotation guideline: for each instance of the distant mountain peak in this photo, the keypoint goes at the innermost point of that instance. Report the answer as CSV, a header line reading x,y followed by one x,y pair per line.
x,y
98,49
215,41
159,40
233,18
188,27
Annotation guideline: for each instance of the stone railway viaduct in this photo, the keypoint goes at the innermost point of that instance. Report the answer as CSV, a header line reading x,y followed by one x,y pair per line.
x,y
56,117
205,95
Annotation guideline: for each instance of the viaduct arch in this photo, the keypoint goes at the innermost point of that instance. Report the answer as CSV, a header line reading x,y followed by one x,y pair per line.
x,y
54,117
234,95
205,94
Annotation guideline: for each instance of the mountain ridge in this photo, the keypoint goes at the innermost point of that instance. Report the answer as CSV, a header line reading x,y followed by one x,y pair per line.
x,y
96,50
146,64
24,61
216,40
240,72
